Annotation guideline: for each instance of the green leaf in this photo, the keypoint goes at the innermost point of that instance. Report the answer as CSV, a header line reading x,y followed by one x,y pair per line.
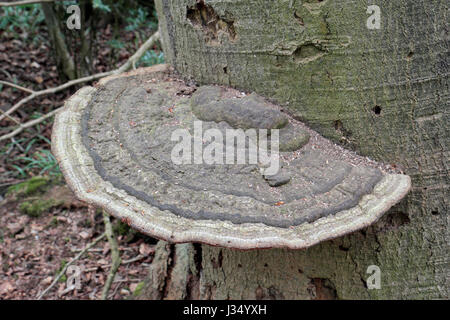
x,y
98,4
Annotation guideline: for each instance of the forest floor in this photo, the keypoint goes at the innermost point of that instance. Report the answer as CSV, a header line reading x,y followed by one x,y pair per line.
x,y
35,246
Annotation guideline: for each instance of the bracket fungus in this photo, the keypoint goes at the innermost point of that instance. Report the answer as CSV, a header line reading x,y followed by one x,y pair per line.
x,y
115,145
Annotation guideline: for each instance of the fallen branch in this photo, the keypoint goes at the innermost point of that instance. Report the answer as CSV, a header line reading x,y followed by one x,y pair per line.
x,y
17,144
10,183
131,62
63,271
28,125
124,262
66,85
19,3
10,118
115,255
137,258
6,83
101,250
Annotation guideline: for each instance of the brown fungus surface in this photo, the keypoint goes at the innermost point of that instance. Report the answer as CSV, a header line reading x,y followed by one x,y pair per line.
x,y
114,144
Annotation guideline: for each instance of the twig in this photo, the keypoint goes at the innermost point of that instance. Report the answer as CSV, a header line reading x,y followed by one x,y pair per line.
x,y
66,85
115,290
124,262
7,184
14,141
63,271
18,3
137,258
138,54
132,60
6,73
28,125
10,84
115,255
127,280
101,250
9,117
90,250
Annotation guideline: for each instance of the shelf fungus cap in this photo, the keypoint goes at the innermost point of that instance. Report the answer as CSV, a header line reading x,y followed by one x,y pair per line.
x,y
214,165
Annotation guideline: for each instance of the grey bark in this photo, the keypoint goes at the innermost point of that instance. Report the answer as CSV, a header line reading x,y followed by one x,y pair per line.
x,y
381,92
64,61
87,38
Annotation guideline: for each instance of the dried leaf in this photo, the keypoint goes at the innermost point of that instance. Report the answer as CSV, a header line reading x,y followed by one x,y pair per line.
x,y
39,79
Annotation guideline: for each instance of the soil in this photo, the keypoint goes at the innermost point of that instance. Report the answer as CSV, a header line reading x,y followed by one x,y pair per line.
x,y
34,249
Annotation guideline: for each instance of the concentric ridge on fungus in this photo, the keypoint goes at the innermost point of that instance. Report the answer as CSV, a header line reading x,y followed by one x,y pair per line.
x,y
113,143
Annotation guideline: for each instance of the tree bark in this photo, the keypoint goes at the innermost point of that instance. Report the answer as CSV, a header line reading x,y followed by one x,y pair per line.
x,y
87,39
64,60
383,93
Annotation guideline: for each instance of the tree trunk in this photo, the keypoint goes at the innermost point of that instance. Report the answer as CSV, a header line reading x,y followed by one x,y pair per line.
x,y
64,62
87,35
381,92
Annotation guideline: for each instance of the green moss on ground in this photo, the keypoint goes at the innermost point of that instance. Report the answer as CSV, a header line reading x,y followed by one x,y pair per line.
x,y
61,267
30,187
37,195
138,291
36,207
121,228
